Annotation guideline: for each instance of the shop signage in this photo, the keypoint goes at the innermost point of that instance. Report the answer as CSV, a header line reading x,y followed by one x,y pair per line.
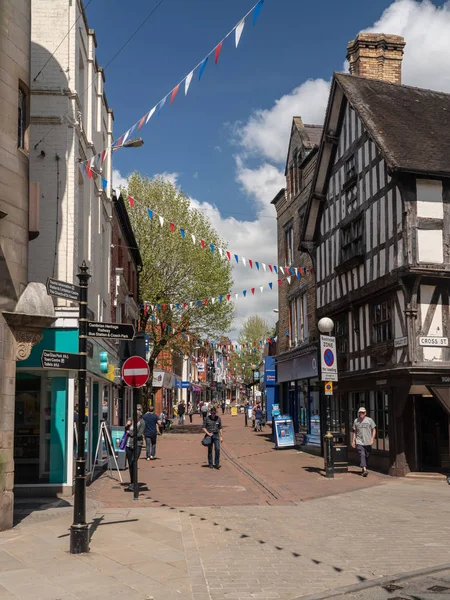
x,y
328,358
185,385
433,340
59,360
381,381
445,379
135,371
61,289
400,342
284,432
201,367
113,331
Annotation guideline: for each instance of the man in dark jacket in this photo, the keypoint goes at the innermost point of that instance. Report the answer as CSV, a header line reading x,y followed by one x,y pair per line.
x,y
152,427
213,428
130,445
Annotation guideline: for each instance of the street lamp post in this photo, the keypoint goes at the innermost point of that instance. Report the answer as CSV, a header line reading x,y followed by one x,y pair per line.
x,y
79,530
326,326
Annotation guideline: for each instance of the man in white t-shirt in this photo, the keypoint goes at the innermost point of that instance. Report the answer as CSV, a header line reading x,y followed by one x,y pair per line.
x,y
364,432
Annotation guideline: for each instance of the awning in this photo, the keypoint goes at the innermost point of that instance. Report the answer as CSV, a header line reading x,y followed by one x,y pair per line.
x,y
195,388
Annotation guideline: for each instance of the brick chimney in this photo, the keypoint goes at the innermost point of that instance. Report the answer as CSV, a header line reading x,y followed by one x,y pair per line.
x,y
376,56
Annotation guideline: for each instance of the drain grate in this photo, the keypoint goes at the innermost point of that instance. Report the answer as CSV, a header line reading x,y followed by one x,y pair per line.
x,y
438,588
392,587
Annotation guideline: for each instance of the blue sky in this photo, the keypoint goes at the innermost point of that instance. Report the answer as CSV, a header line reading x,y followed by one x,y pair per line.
x,y
226,141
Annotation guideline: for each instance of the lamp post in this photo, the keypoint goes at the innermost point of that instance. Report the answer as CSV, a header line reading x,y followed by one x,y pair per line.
x,y
326,326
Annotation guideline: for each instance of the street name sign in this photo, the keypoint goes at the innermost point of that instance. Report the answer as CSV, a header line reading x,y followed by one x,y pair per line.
x,y
59,360
328,358
62,289
135,371
113,331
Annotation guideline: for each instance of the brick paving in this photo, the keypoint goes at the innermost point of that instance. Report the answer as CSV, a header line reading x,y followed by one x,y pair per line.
x,y
268,525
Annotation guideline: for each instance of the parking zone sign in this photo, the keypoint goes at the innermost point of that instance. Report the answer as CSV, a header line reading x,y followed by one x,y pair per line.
x,y
328,360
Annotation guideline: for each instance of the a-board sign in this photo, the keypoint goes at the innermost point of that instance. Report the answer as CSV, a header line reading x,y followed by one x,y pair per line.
x,y
62,289
59,360
113,331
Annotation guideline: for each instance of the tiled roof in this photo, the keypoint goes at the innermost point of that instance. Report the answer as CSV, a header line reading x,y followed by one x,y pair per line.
x,y
410,125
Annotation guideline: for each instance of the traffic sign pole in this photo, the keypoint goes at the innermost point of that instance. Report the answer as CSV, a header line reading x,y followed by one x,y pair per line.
x,y
79,531
135,373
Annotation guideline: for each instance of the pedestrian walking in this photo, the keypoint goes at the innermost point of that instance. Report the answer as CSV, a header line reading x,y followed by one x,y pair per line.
x,y
223,405
152,428
190,411
163,419
181,413
364,432
213,428
130,445
258,417
246,411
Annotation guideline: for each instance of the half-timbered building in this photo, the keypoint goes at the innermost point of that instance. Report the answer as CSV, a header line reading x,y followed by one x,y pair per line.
x,y
377,227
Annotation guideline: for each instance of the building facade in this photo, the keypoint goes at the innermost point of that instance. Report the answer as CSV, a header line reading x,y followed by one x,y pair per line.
x,y
296,358
126,263
70,122
377,227
25,308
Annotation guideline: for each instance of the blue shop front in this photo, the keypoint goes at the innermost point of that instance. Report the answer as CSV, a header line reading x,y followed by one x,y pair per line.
x,y
45,435
268,384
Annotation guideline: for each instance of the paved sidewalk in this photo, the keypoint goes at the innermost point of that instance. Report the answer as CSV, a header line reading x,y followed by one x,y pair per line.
x,y
268,525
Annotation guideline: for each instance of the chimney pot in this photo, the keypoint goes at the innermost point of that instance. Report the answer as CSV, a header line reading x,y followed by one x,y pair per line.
x,y
376,56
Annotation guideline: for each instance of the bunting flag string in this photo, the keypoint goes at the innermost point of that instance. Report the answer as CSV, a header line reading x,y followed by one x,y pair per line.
x,y
182,305
201,66
288,272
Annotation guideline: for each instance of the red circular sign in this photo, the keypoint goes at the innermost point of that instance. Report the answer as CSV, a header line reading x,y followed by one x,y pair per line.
x,y
135,371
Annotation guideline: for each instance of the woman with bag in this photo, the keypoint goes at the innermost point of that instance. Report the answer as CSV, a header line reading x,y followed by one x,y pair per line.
x,y
130,445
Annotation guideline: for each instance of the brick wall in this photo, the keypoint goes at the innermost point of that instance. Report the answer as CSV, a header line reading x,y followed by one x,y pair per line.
x,y
376,56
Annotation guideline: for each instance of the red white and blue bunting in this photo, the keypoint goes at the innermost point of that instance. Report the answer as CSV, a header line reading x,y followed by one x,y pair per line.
x,y
91,164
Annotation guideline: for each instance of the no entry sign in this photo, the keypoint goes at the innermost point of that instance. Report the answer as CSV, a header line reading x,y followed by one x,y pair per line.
x,y
135,371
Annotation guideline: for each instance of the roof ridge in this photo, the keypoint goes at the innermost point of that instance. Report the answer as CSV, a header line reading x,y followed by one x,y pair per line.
x,y
410,87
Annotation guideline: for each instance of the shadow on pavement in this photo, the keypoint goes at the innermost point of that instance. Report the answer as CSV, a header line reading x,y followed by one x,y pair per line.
x,y
24,507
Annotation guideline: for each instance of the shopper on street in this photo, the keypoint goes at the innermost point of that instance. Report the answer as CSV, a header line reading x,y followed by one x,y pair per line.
x,y
190,411
204,412
258,416
364,432
213,428
246,411
152,427
223,405
130,445
181,412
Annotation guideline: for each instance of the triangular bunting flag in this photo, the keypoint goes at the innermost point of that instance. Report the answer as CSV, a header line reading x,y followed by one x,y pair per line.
x,y
257,10
220,252
261,287
193,238
174,93
142,121
172,227
131,201
270,267
217,53
187,82
250,262
104,183
228,297
236,258
161,104
289,279
182,232
202,68
202,242
212,248
150,115
245,293
161,220
150,213
243,261
253,291
271,285
229,255
275,268
238,31
279,282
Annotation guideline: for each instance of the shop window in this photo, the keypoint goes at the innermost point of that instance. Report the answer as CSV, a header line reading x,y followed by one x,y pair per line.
x,y
338,414
382,322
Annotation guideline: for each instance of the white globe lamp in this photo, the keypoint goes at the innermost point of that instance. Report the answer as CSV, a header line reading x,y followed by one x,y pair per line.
x,y
325,325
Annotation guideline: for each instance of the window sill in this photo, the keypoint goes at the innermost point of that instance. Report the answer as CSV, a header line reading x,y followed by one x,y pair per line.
x,y
349,264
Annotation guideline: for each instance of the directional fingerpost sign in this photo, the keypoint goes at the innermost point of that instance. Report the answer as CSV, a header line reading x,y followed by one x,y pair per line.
x,y
60,360
135,371
113,331
62,289
328,358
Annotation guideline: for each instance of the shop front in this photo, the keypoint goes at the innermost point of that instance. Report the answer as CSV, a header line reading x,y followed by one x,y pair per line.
x,y
411,410
268,385
299,391
45,435
164,392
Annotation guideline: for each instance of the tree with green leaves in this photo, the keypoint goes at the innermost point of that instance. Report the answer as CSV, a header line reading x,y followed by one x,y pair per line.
x,y
251,351
177,269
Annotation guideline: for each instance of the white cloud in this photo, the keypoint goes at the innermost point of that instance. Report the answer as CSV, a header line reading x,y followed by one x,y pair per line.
x,y
266,132
172,177
425,28
262,183
118,180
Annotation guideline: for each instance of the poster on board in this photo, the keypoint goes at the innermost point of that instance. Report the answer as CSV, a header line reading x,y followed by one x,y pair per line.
x,y
284,432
